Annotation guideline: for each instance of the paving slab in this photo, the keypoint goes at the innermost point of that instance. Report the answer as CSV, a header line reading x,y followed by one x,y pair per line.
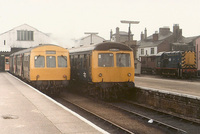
x,y
24,110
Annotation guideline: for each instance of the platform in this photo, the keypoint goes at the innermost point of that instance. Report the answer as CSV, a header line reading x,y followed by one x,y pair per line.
x,y
24,110
187,88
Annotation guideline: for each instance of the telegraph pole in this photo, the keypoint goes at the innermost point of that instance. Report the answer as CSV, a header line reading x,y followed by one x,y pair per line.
x,y
91,34
129,28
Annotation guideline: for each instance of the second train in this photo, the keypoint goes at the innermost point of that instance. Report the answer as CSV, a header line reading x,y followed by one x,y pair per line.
x,y
180,64
107,69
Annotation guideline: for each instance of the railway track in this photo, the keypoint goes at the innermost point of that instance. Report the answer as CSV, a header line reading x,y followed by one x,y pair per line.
x,y
124,118
93,116
170,122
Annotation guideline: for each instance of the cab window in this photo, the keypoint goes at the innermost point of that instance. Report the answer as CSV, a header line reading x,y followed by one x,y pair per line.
x,y
51,61
105,60
123,60
39,61
62,61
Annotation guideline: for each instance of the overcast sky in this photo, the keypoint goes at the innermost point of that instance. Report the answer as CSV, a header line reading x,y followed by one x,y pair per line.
x,y
69,19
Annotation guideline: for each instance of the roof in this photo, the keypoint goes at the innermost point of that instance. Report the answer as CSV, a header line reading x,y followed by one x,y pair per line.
x,y
160,36
5,48
189,39
160,53
101,47
92,35
172,53
30,49
24,25
150,43
112,45
122,33
143,44
185,41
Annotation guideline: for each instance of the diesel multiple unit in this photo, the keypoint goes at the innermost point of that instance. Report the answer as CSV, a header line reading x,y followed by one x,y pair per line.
x,y
106,68
47,67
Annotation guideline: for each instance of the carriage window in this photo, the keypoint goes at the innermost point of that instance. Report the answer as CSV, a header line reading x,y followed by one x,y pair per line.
x,y
39,61
123,60
105,60
62,61
51,61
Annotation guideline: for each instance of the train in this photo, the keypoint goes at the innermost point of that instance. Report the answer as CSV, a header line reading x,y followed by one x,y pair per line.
x,y
180,64
106,69
46,67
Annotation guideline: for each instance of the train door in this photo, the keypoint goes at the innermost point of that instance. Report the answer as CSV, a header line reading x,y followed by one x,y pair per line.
x,y
7,63
2,63
15,65
90,65
22,66
28,65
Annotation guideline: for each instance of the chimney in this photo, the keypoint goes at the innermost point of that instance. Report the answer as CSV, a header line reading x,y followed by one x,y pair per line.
x,y
142,36
111,34
145,33
155,36
164,31
117,36
177,33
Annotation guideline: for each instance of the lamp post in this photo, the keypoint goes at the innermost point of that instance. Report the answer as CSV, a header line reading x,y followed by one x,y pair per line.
x,y
129,28
91,34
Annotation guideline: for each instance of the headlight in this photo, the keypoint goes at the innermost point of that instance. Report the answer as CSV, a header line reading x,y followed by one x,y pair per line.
x,y
100,74
64,76
37,77
129,74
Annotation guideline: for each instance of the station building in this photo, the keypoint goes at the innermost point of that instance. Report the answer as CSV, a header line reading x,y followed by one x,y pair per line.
x,y
18,38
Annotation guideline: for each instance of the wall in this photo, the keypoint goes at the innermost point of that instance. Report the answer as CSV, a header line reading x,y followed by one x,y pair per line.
x,y
147,52
137,67
198,54
164,46
175,104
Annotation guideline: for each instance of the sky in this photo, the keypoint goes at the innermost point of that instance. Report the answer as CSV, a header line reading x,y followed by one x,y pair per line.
x,y
68,20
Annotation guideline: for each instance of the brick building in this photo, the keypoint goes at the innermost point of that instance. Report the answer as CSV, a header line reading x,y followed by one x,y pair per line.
x,y
165,40
159,41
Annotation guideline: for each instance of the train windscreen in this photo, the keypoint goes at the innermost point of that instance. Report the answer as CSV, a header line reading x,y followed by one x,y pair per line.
x,y
39,61
105,60
123,60
51,61
62,61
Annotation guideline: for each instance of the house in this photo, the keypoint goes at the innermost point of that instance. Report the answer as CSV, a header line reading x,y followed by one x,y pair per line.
x,y
159,41
165,40
23,36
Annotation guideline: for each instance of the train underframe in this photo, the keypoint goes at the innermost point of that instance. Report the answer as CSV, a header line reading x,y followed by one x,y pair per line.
x,y
179,73
111,90
53,87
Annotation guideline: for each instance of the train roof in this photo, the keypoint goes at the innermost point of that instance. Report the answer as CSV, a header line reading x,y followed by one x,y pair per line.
x,y
101,47
30,49
173,52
